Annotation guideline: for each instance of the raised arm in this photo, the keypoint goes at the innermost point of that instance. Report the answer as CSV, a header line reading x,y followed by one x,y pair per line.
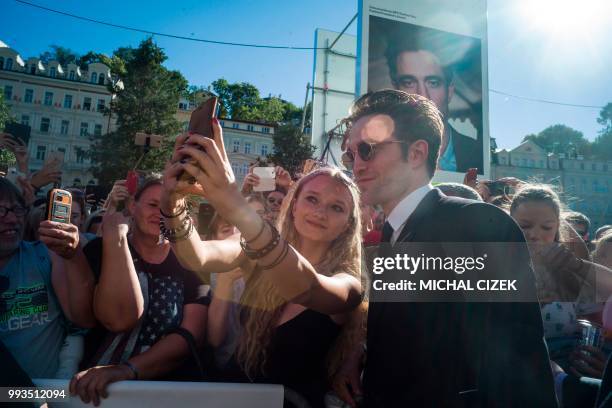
x,y
72,280
118,301
294,277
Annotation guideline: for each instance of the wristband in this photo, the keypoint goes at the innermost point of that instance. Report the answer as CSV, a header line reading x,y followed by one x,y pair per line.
x,y
132,368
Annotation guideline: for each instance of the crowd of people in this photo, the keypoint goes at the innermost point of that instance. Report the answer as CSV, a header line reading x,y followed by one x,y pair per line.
x,y
275,286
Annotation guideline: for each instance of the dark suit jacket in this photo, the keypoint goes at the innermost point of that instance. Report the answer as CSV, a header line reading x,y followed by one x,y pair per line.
x,y
460,354
468,152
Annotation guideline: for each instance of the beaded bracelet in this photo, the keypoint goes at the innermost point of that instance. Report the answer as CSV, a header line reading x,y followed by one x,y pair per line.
x,y
179,233
260,253
278,260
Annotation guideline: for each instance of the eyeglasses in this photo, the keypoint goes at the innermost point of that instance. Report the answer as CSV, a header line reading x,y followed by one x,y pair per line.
x,y
366,152
18,211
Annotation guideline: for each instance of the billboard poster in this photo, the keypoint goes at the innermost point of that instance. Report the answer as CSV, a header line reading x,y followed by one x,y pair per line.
x,y
435,48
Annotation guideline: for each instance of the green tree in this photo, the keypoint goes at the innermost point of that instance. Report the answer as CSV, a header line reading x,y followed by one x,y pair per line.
x,y
6,157
61,54
242,101
602,146
561,139
147,96
291,148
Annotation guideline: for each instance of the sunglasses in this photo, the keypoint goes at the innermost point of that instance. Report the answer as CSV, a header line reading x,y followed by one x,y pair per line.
x,y
366,152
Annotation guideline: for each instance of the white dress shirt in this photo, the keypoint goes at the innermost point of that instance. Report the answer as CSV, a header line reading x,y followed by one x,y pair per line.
x,y
404,209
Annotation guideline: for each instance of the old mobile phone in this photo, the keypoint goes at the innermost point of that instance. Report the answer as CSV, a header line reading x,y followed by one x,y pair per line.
x,y
201,123
206,213
59,205
18,131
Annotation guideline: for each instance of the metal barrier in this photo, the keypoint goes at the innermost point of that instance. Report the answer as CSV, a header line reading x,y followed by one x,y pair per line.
x,y
152,394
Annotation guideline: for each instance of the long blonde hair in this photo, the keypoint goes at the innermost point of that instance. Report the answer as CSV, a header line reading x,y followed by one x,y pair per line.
x,y
262,303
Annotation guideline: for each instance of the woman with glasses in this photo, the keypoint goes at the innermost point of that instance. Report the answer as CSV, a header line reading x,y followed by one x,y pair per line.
x,y
302,282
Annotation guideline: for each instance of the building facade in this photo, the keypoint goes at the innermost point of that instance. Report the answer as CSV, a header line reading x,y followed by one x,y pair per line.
x,y
63,105
585,185
244,141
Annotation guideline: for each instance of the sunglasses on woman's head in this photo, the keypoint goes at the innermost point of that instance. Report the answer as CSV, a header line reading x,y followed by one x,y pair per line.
x,y
366,152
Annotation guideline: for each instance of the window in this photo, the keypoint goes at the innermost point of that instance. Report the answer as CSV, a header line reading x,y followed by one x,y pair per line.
x,y
247,147
45,124
605,167
524,162
581,166
29,95
25,120
9,64
8,92
531,163
33,69
68,101
84,129
265,130
87,103
594,167
71,75
235,126
244,169
48,98
101,79
250,128
52,72
40,152
101,104
264,150
182,106
236,146
94,78
1,62
222,123
80,156
64,128
98,130
541,164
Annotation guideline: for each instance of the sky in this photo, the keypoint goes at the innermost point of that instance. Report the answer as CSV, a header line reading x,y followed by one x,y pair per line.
x,y
541,49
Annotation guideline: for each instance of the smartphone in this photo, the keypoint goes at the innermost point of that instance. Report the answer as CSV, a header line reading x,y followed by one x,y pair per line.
x,y
267,181
131,182
59,205
206,212
18,131
201,123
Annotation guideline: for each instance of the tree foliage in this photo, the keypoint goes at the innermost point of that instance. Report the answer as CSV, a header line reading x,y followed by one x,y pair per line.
x,y
242,101
6,157
602,146
291,148
561,139
145,102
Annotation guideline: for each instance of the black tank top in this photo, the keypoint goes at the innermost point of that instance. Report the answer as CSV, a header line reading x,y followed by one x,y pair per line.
x,y
298,357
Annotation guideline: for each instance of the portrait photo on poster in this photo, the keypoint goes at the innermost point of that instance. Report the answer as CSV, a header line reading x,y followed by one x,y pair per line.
x,y
442,66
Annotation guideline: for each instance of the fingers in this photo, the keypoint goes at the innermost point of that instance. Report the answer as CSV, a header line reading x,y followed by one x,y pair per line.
x,y
207,162
218,138
178,144
62,226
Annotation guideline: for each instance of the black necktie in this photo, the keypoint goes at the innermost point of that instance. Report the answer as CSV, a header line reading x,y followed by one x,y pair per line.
x,y
387,232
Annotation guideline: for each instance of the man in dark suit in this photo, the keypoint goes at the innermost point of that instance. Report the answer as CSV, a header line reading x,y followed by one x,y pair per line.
x,y
450,353
417,70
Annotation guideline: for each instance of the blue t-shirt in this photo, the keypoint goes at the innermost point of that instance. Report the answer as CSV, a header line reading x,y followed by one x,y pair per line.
x,y
31,319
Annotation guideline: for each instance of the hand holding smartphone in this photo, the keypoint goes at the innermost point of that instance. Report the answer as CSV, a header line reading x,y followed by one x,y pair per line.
x,y
200,123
